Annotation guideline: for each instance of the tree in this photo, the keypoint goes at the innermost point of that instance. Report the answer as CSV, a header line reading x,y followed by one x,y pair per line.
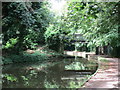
x,y
98,22
24,24
55,34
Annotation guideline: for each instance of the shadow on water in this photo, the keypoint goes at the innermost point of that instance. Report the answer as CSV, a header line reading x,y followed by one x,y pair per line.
x,y
63,73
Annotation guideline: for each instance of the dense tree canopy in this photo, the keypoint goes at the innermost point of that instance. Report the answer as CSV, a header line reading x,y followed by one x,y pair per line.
x,y
24,24
98,22
27,23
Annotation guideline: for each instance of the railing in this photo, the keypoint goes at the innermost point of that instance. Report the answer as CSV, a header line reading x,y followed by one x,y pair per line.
x,y
80,54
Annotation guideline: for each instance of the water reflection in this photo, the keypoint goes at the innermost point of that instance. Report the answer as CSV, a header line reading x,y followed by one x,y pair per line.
x,y
48,75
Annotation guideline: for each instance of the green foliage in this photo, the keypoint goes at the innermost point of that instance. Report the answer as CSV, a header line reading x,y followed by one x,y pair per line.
x,y
25,57
40,55
56,33
10,43
26,21
24,78
73,84
10,77
52,36
77,83
26,24
96,21
50,85
81,66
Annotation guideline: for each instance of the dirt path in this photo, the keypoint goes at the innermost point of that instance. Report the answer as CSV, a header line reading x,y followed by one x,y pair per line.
x,y
107,75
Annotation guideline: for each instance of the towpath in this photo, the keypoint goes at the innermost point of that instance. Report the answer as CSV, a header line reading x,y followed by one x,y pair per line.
x,y
107,75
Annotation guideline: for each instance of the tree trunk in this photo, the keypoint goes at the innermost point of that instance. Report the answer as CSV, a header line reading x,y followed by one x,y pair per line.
x,y
97,50
105,50
61,48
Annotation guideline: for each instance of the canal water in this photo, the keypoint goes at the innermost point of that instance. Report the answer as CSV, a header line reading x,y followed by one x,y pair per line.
x,y
59,73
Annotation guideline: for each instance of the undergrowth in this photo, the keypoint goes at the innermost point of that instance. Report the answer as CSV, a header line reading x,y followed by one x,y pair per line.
x,y
36,55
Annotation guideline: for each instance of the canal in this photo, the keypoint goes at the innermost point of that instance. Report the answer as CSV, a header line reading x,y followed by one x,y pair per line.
x,y
59,73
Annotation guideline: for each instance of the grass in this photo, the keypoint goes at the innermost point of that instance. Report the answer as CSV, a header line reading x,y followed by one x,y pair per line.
x,y
25,57
30,56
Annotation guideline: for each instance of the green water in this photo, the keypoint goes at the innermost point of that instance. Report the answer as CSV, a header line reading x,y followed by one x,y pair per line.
x,y
61,73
